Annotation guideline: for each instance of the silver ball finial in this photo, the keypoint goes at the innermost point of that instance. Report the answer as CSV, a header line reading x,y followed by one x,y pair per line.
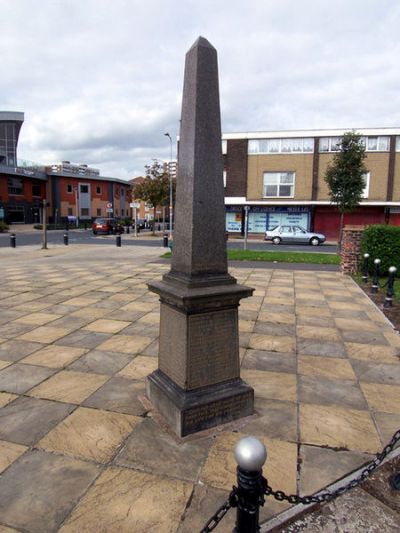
x,y
250,454
392,270
377,261
366,256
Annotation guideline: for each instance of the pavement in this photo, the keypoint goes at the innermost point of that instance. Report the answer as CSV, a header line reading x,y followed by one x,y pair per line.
x,y
81,450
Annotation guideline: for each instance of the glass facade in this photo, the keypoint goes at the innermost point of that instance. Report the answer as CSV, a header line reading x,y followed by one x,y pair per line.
x,y
8,143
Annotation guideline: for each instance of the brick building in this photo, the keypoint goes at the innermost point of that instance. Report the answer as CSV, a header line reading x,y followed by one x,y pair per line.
x,y
70,189
280,176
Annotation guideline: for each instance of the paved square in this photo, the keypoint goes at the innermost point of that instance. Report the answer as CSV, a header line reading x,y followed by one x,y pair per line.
x,y
81,451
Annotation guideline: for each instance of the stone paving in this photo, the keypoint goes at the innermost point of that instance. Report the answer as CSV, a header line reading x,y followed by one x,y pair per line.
x,y
82,451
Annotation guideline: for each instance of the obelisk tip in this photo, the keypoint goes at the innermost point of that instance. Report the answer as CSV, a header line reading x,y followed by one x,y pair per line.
x,y
201,41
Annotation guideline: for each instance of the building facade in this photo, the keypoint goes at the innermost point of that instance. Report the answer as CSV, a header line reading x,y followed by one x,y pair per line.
x,y
69,189
280,176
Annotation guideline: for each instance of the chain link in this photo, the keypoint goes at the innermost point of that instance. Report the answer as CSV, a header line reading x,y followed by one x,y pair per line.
x,y
279,495
328,496
221,512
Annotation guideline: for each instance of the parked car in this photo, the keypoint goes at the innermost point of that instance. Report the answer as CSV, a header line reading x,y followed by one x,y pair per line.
x,y
107,225
294,235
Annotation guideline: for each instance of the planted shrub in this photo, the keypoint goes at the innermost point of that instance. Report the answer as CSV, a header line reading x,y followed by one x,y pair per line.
x,y
3,226
382,241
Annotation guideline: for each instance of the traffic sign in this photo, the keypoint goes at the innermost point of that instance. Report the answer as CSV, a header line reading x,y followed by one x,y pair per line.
x,y
109,210
134,205
109,205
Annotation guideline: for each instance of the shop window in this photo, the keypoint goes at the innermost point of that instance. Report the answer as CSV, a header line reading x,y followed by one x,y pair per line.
x,y
98,212
69,188
98,190
278,184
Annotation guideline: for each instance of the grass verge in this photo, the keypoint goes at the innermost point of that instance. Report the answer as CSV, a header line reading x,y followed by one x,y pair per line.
x,y
281,257
382,286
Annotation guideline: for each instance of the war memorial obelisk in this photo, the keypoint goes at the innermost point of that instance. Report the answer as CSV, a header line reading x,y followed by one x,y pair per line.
x,y
197,384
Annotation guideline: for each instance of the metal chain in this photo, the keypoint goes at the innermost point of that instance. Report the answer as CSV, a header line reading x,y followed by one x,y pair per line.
x,y
327,496
279,495
221,512
384,285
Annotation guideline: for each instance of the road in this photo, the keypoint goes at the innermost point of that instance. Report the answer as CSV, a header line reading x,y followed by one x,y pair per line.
x,y
144,239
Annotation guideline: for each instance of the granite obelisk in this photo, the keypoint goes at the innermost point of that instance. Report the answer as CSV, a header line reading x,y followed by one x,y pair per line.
x,y
197,384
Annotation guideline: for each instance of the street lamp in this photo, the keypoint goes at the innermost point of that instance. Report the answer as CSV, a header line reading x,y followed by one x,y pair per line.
x,y
170,185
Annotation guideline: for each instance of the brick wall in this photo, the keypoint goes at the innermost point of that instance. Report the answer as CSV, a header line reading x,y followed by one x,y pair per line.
x,y
235,164
351,246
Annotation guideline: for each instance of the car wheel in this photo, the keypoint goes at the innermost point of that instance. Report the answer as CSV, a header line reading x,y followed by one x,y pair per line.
x,y
314,241
276,240
94,232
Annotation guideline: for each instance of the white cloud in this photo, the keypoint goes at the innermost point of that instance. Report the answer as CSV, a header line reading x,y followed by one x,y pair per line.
x,y
100,81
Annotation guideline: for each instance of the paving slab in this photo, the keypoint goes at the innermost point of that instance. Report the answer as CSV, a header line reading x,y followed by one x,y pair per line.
x,y
72,401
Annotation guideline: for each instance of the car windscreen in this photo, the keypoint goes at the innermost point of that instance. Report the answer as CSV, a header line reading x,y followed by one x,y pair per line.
x,y
100,221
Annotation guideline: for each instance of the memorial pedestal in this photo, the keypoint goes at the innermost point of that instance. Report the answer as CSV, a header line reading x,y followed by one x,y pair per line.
x,y
197,384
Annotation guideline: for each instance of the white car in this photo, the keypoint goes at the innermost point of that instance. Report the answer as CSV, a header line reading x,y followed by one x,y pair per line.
x,y
293,235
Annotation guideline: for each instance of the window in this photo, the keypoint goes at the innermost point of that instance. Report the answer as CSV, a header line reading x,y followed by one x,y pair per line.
x,y
397,144
35,189
371,144
70,211
15,186
224,177
224,146
69,188
98,190
123,212
84,212
84,189
297,145
278,184
122,191
366,188
98,212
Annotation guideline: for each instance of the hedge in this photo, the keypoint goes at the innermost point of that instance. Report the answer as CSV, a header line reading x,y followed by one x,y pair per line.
x,y
382,241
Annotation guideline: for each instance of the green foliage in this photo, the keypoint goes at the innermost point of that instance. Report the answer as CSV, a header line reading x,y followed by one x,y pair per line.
x,y
3,226
382,241
280,257
345,174
155,187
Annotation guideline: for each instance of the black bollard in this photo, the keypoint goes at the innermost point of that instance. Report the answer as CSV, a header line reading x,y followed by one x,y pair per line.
x,y
66,238
365,276
127,229
375,285
118,241
13,242
390,288
250,454
138,229
165,240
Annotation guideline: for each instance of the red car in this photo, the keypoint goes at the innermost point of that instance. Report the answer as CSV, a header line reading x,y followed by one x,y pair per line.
x,y
107,225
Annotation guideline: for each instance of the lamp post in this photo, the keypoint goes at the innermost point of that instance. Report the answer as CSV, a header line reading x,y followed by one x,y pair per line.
x,y
170,185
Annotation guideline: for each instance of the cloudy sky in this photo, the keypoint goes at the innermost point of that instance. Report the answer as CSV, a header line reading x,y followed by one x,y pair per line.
x,y
100,81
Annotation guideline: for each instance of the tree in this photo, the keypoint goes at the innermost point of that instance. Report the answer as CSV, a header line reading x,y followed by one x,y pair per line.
x,y
345,176
154,188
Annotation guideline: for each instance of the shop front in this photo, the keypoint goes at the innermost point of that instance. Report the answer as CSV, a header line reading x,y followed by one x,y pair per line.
x,y
263,218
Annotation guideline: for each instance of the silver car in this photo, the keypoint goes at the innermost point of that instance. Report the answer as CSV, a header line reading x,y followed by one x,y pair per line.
x,y
293,235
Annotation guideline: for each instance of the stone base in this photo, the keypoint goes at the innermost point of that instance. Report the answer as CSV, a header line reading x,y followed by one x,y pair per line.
x,y
195,410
